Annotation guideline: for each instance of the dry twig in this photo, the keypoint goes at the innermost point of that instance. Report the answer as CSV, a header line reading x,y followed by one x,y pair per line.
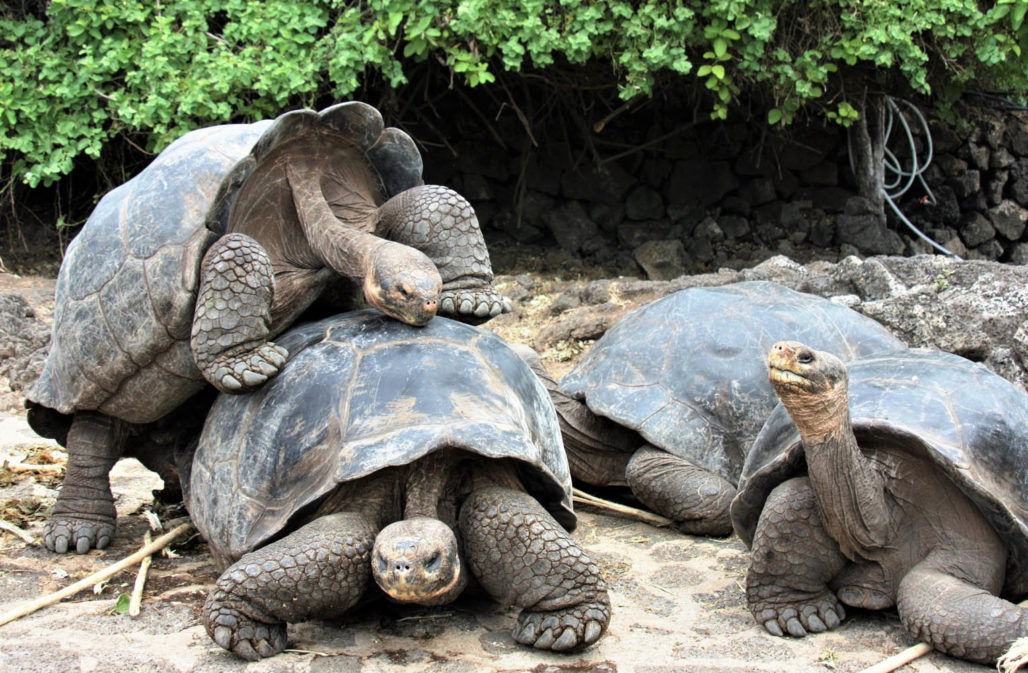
x,y
641,515
14,530
99,576
136,599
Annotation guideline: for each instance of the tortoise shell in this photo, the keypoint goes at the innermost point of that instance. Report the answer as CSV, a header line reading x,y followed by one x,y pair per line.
x,y
126,291
687,371
359,393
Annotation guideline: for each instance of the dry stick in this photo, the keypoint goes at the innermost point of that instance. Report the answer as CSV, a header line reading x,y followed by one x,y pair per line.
x,y
901,659
642,515
907,655
99,576
14,530
137,590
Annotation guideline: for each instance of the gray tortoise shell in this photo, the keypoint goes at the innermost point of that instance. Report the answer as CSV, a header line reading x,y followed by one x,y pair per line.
x,y
971,422
687,371
126,290
361,392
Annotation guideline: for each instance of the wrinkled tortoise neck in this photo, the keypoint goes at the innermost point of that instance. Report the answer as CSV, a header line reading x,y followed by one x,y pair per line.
x,y
850,492
344,248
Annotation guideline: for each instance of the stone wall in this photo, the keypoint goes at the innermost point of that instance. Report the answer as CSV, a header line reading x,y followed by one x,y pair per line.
x,y
650,197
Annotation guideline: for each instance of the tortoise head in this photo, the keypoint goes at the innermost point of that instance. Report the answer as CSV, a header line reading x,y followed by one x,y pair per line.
x,y
417,561
811,384
403,283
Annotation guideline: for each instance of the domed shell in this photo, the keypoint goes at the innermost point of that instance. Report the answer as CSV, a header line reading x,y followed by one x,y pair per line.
x,y
971,422
688,371
126,291
123,306
359,393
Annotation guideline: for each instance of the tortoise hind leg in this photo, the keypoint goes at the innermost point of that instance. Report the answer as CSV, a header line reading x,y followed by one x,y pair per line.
x,y
522,557
695,499
957,616
442,224
787,583
84,515
232,319
317,572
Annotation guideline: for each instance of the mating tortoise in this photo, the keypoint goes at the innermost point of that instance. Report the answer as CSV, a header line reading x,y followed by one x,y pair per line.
x,y
901,484
186,271
669,399
375,448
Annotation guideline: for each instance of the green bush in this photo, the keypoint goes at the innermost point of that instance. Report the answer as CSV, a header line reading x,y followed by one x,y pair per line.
x,y
90,70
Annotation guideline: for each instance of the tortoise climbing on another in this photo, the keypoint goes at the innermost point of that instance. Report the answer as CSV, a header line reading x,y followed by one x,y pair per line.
x,y
898,483
416,457
668,401
183,274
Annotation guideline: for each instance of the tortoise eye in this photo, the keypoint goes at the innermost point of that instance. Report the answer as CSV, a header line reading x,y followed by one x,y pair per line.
x,y
805,358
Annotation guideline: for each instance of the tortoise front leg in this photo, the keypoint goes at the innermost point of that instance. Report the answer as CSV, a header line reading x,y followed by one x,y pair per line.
x,y
317,572
442,224
84,515
232,319
791,562
956,616
695,499
522,557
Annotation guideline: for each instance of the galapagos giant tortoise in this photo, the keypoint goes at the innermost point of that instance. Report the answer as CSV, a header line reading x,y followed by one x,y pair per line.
x,y
668,401
901,483
372,452
184,272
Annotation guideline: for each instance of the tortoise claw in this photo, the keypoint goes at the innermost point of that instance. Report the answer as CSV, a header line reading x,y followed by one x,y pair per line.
x,y
473,306
819,613
563,630
244,371
65,532
246,638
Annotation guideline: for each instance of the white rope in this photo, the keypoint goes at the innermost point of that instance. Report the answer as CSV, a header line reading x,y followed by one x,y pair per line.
x,y
899,179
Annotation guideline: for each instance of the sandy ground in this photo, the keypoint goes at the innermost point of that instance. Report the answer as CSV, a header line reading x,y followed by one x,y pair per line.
x,y
678,606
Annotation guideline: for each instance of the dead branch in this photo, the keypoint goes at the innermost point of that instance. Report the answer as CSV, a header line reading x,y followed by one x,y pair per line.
x,y
99,576
14,530
632,512
136,599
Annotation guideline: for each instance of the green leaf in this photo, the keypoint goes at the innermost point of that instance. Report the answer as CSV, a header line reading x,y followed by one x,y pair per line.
x,y
774,115
1017,16
121,605
718,71
720,46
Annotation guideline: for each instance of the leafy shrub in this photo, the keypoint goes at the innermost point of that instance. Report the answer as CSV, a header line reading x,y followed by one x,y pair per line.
x,y
90,70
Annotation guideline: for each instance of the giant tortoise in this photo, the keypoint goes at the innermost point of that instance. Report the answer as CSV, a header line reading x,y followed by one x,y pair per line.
x,y
901,483
184,272
670,398
414,456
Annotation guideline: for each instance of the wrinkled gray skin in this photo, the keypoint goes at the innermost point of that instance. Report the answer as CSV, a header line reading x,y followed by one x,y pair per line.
x,y
182,275
668,401
913,497
382,455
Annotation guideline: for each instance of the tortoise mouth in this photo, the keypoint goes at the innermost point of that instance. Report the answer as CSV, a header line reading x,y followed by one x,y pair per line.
x,y
781,377
419,591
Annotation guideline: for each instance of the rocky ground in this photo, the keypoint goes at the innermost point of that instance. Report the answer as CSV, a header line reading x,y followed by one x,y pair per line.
x,y
678,600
